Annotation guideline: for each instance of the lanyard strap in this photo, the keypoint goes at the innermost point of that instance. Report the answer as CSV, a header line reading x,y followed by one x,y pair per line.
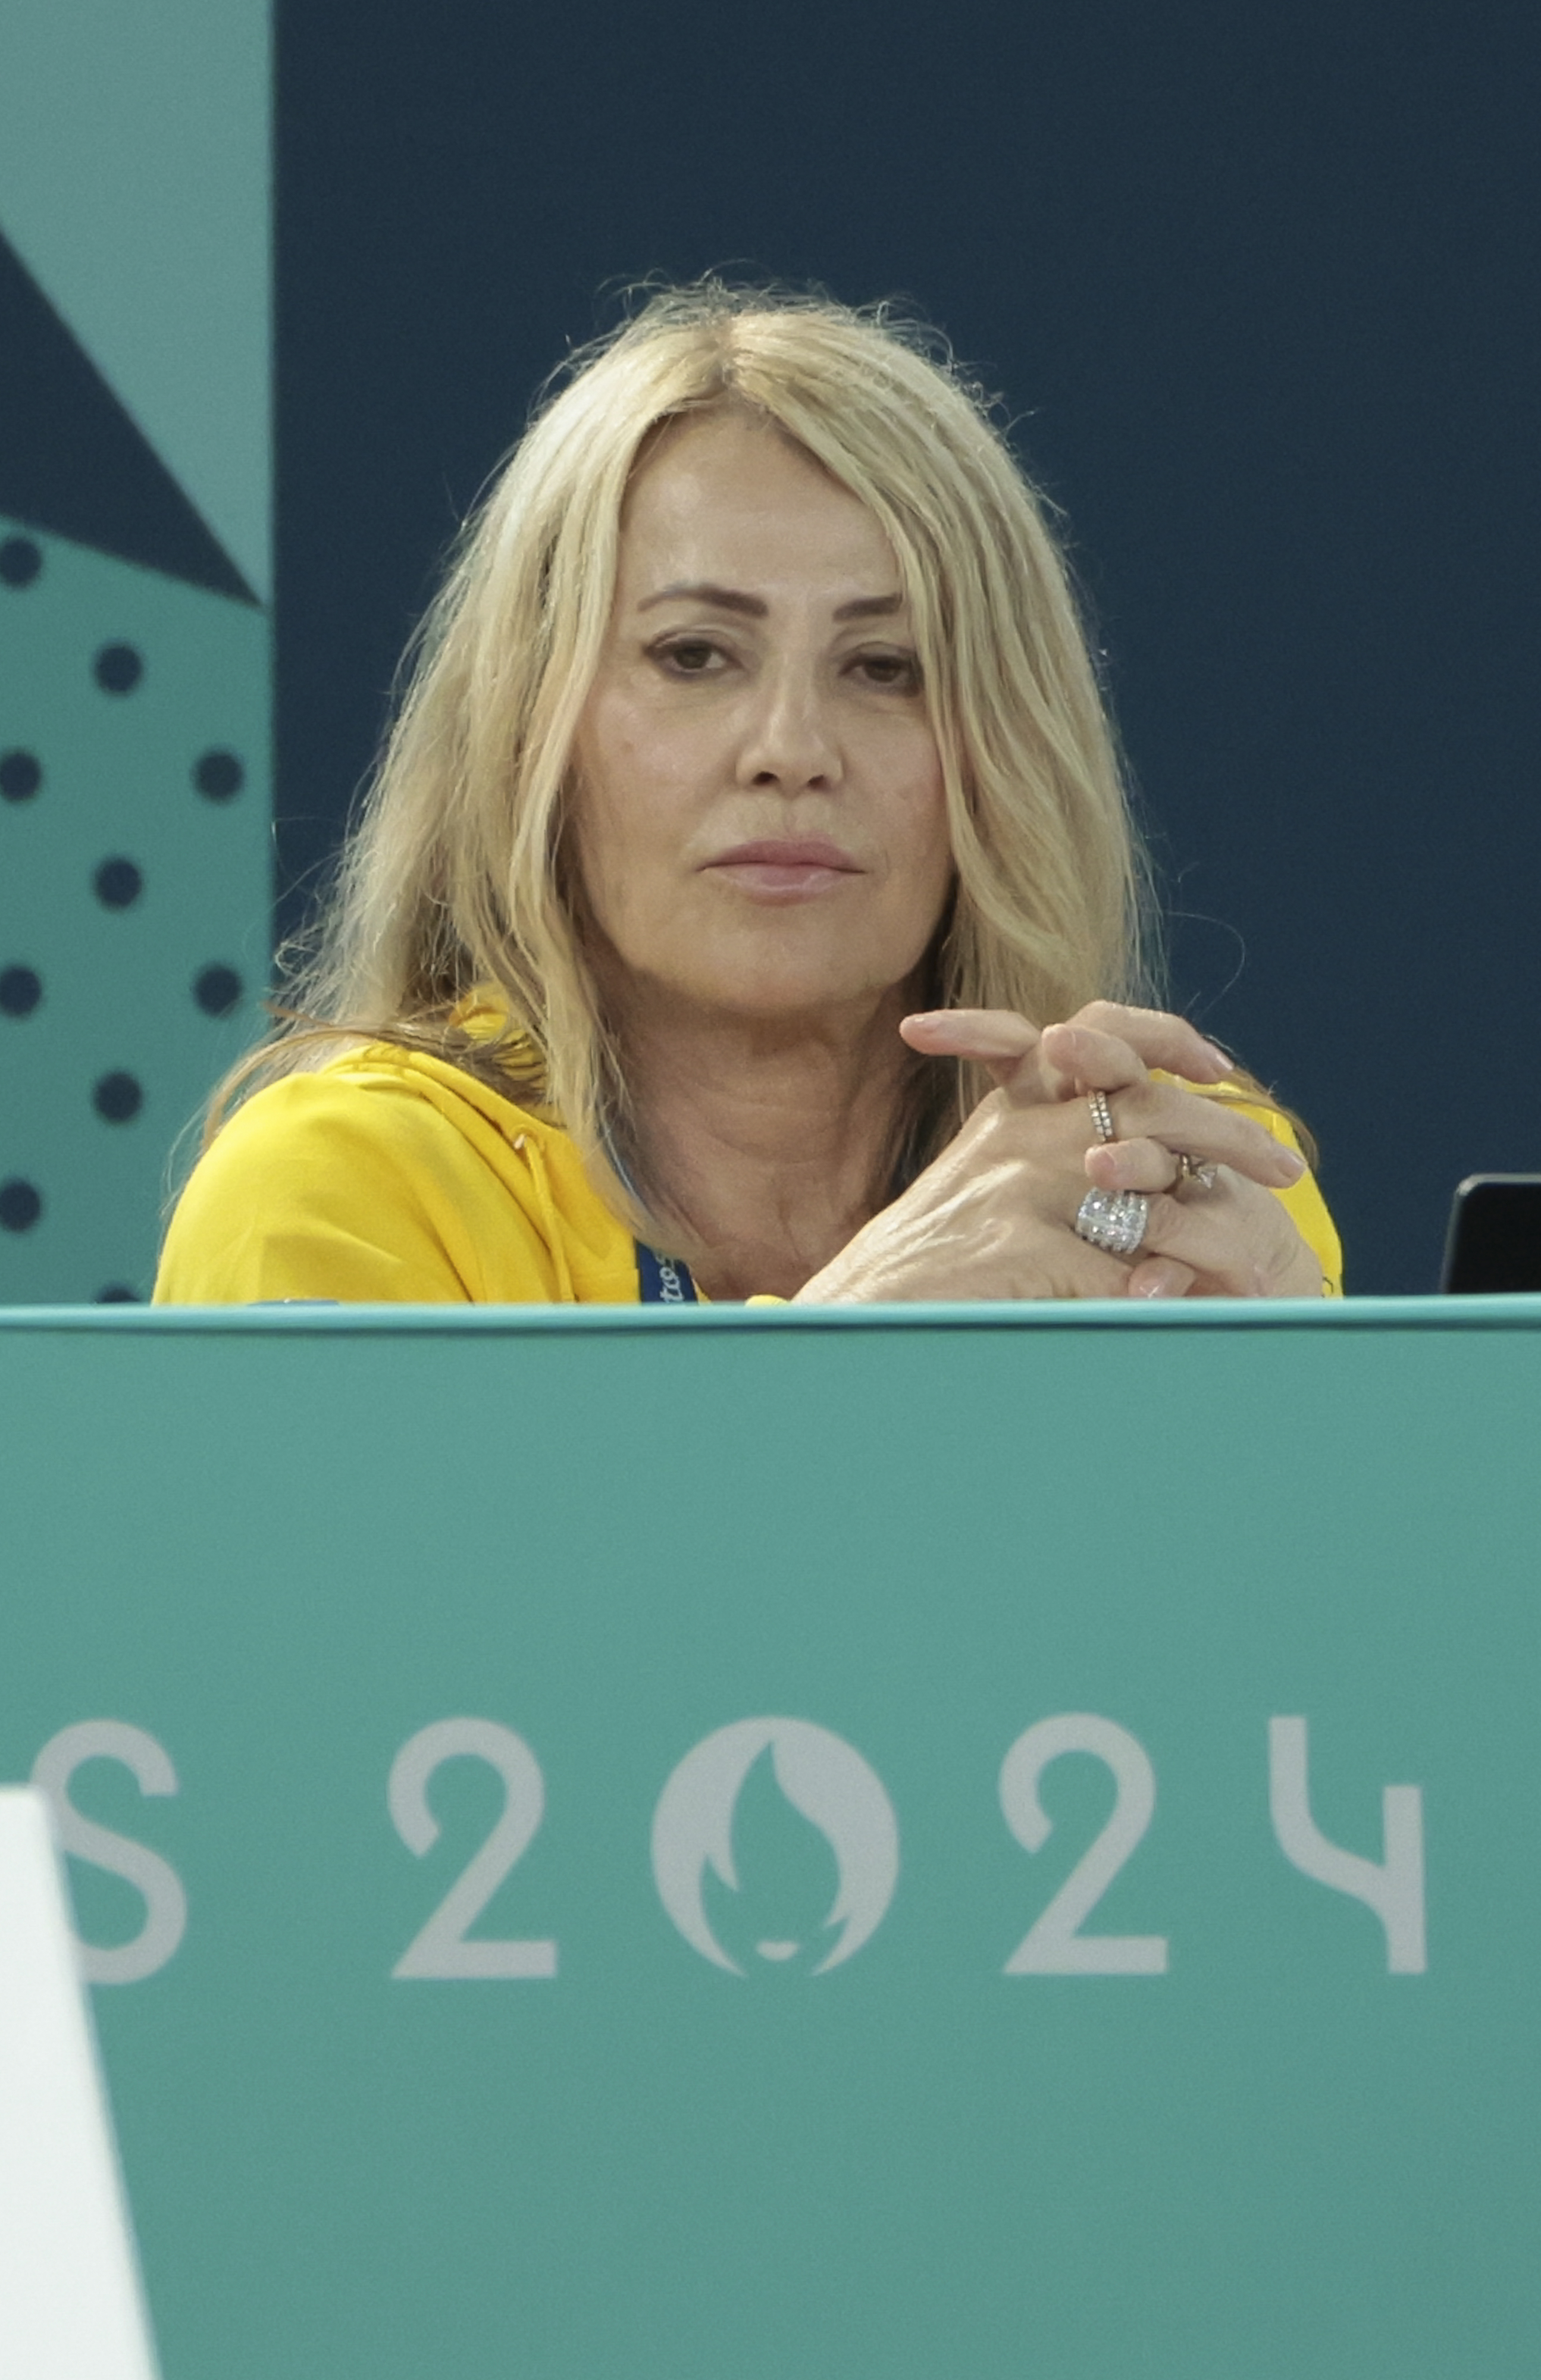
x,y
664,1281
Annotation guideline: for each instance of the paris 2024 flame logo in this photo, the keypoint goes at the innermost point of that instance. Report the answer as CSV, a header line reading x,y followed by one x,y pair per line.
x,y
825,1780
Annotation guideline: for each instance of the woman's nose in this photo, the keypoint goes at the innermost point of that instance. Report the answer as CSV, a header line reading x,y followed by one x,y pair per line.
x,y
789,738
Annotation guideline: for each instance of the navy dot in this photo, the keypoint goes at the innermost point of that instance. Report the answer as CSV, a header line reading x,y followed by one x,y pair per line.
x,y
117,669
117,884
217,991
20,775
19,1206
21,561
117,1293
117,1097
218,775
21,990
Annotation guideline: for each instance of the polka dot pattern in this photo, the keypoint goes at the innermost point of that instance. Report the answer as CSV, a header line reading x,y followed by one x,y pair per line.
x,y
133,858
20,561
118,1099
217,991
117,884
117,669
20,1205
219,776
20,775
21,990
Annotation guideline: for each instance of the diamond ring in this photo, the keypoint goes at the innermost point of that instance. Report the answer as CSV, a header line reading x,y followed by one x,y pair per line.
x,y
1114,1221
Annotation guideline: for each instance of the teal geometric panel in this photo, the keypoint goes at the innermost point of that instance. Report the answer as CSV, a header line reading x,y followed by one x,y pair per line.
x,y
135,809
134,182
73,461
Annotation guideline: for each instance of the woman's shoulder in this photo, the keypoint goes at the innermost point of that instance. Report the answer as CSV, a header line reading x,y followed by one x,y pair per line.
x,y
401,1081
383,1092
389,1166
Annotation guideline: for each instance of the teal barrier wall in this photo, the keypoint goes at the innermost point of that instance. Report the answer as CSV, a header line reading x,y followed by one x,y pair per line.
x,y
670,1845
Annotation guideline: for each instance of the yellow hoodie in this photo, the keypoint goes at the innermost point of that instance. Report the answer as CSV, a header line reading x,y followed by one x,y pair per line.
x,y
390,1177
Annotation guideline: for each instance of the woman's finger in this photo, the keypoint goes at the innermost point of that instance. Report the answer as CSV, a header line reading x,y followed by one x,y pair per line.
x,y
994,1037
1079,1057
1212,1131
1157,1038
1147,1165
1237,1239
1034,1069
1066,1061
1073,1059
1161,1277
1103,1046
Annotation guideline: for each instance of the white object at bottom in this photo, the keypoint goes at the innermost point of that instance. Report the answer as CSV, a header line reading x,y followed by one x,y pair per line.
x,y
70,2302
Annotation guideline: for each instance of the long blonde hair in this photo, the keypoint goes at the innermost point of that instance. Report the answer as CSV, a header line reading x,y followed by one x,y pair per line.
x,y
456,875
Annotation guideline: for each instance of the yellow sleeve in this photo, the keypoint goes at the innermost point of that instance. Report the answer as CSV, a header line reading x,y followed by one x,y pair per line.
x,y
318,1188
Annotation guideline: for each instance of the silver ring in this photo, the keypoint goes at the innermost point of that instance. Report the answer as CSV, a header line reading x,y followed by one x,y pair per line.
x,y
1114,1221
1102,1115
1203,1177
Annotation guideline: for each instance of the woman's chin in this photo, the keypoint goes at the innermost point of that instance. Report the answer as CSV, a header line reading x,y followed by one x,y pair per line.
x,y
773,994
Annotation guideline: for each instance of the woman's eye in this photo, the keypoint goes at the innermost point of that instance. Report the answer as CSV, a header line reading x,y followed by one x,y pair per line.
x,y
895,673
689,656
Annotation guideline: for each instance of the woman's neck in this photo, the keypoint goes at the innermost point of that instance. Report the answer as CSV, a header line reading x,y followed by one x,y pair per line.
x,y
770,1142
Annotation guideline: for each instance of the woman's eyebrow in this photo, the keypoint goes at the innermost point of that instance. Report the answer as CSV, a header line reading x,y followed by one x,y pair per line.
x,y
721,599
731,599
870,607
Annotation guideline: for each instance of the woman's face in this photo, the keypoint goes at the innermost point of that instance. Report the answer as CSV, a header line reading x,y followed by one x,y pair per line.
x,y
759,813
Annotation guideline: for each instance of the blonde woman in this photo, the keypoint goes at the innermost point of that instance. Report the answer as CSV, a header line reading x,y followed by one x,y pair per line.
x,y
747,903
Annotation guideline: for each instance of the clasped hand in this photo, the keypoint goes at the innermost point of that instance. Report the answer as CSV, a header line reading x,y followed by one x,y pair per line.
x,y
994,1215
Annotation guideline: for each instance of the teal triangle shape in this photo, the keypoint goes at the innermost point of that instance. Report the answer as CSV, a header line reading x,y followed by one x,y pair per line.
x,y
75,462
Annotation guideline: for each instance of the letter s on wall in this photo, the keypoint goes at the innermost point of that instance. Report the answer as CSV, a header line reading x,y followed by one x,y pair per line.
x,y
165,1903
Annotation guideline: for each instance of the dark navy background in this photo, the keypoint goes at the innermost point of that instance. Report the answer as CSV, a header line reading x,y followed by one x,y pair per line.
x,y
1259,285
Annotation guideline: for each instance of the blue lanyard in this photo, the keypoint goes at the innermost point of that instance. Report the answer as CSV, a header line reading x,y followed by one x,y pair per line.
x,y
664,1280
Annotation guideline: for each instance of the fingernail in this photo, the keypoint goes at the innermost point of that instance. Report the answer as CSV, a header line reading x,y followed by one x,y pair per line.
x,y
1226,1065
1296,1163
1159,1287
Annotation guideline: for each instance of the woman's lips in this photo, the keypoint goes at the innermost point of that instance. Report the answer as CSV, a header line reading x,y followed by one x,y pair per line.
x,y
785,868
